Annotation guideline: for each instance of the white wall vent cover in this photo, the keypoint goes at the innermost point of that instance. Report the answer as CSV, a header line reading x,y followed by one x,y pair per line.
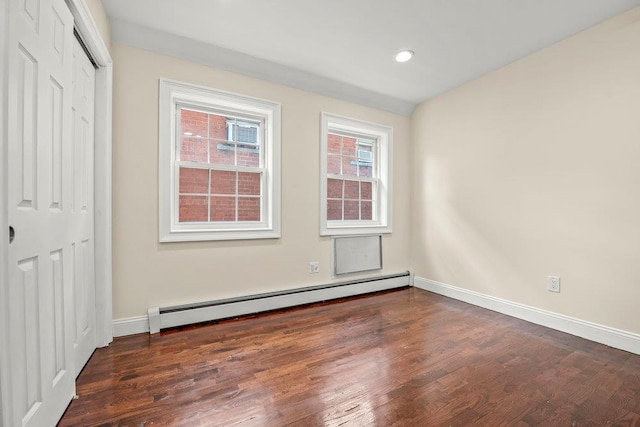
x,y
355,254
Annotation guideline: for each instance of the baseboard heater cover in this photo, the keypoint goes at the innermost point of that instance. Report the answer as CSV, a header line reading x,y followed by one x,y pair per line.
x,y
180,315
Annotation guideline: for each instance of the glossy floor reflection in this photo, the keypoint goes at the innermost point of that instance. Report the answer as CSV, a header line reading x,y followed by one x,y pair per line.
x,y
404,358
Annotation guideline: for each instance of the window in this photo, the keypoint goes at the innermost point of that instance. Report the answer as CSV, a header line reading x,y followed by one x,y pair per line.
x,y
219,165
356,177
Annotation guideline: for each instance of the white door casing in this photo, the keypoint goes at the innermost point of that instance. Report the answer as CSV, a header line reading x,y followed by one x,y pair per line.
x,y
39,208
82,210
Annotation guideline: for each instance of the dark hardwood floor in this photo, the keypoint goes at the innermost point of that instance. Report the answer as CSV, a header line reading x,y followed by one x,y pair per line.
x,y
399,358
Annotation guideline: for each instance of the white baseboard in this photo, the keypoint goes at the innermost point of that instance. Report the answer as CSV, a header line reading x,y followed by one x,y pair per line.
x,y
130,326
612,337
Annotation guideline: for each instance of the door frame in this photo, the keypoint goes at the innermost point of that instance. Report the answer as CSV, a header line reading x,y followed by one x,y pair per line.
x,y
90,36
88,31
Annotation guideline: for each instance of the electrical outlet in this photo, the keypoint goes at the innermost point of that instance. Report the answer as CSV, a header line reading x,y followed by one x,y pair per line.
x,y
553,284
314,267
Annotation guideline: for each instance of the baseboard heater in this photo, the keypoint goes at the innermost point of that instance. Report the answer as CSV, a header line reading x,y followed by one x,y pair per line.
x,y
179,315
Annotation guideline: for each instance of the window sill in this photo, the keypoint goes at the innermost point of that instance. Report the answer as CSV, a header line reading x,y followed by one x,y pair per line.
x,y
218,235
360,230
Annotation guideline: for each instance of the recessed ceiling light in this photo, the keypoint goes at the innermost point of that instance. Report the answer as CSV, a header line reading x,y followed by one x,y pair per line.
x,y
188,134
404,55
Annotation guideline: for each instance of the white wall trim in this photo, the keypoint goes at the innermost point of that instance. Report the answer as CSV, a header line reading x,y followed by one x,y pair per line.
x,y
92,39
130,326
187,49
612,337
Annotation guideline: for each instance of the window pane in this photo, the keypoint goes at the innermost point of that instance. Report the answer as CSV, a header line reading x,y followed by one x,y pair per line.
x,y
365,171
334,144
333,164
249,183
194,123
351,209
249,209
366,210
223,208
230,130
365,152
366,190
366,160
217,127
334,210
350,199
223,182
348,146
194,150
349,167
222,153
193,209
194,181
249,156
351,190
334,188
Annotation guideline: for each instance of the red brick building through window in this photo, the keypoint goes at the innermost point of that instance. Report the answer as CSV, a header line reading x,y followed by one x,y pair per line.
x,y
350,187
220,176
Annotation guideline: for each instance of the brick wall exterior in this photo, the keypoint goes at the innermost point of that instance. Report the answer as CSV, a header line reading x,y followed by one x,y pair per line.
x,y
209,194
347,199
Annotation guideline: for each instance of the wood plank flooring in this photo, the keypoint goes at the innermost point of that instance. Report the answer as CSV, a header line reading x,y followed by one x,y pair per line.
x,y
399,358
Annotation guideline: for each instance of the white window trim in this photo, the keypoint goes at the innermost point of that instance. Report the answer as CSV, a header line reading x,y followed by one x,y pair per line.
x,y
173,93
384,196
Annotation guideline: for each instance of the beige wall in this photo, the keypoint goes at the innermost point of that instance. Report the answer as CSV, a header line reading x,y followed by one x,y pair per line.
x,y
533,170
101,19
147,273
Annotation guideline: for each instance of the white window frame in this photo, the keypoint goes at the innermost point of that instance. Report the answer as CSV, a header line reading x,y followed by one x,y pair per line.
x,y
383,206
174,94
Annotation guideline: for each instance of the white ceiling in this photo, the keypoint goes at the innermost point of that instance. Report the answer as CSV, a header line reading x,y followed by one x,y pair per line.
x,y
345,48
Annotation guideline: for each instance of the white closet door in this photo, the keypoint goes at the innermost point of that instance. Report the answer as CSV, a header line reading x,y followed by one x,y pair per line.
x,y
40,207
82,211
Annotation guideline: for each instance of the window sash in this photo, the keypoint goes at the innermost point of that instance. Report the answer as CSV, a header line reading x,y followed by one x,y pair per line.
x,y
234,121
375,195
254,121
360,140
223,168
